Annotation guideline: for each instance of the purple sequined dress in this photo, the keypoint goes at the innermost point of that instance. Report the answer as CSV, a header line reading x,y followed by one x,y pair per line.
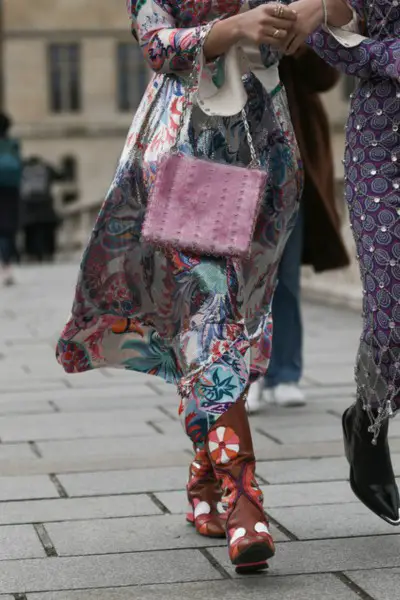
x,y
372,184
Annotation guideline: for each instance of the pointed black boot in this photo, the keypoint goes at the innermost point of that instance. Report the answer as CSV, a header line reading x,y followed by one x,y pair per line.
x,y
371,473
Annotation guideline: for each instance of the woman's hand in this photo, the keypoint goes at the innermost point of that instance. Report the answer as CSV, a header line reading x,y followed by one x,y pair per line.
x,y
310,16
268,24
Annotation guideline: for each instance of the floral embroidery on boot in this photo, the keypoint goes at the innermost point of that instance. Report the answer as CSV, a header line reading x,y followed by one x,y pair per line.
x,y
223,444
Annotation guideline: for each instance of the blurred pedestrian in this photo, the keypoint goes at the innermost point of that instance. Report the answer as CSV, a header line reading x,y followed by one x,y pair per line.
x,y
316,239
10,179
39,218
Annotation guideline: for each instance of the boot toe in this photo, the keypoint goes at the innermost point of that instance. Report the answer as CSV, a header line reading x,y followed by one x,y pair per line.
x,y
386,499
382,499
211,528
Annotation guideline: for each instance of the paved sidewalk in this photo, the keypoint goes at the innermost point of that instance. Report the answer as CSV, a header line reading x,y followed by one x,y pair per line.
x,y
93,466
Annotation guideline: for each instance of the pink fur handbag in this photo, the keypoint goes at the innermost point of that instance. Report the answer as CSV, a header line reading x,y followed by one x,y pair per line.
x,y
202,206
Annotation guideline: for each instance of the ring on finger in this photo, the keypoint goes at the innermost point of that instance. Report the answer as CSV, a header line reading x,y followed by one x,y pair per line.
x,y
277,10
277,33
280,11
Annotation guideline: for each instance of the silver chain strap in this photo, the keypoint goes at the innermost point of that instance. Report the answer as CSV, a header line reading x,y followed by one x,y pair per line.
x,y
192,84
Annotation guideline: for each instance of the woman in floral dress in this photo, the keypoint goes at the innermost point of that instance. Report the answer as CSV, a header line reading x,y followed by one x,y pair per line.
x,y
199,322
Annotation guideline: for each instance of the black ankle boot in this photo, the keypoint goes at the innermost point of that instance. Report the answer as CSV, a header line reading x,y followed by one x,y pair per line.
x,y
371,472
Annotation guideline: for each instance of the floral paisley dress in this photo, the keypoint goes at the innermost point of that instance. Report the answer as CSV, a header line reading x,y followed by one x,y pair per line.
x,y
199,322
372,177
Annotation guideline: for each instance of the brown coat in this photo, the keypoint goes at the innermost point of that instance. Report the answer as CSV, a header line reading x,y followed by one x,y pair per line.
x,y
304,77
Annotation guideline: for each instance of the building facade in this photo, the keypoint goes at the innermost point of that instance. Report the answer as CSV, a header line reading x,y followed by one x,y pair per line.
x,y
73,77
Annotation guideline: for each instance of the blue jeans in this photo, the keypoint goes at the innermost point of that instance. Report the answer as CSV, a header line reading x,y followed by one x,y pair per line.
x,y
286,359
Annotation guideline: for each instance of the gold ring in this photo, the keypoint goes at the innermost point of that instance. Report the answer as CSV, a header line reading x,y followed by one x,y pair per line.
x,y
277,10
281,11
277,33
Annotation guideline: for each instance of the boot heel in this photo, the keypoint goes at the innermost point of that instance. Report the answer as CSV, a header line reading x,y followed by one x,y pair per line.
x,y
254,558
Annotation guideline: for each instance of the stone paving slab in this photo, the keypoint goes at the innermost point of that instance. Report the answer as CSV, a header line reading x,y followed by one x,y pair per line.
x,y
15,407
125,482
337,406
94,379
269,451
171,429
125,374
143,446
324,392
297,435
312,416
10,370
380,584
328,556
105,571
299,495
109,536
68,426
329,356
121,397
15,451
19,541
27,370
93,464
304,470
307,470
38,511
83,404
302,494
394,428
137,412
25,488
16,387
14,329
307,587
331,521
341,374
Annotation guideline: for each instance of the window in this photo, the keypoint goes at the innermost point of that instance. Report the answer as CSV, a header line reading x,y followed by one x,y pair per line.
x,y
64,78
132,76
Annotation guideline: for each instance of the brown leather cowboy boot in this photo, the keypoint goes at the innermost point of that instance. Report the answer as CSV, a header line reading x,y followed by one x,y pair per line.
x,y
231,452
204,494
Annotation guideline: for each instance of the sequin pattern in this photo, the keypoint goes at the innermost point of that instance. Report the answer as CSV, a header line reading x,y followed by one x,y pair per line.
x,y
372,188
199,322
